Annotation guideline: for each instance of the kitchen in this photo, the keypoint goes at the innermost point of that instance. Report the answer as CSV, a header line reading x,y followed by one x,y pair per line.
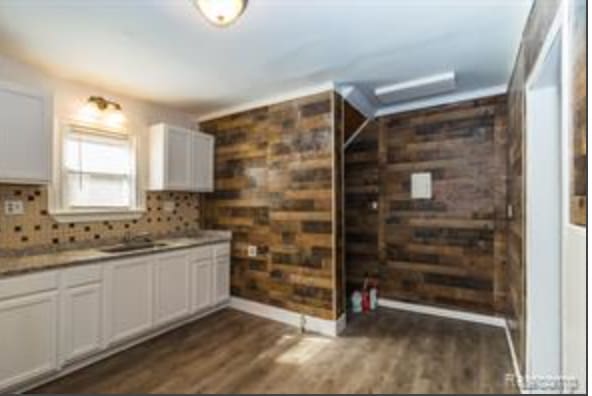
x,y
178,223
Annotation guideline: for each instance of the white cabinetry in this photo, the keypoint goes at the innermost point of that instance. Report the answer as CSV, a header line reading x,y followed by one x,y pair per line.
x,y
180,159
129,296
81,313
202,164
89,310
172,287
28,328
202,277
221,273
25,135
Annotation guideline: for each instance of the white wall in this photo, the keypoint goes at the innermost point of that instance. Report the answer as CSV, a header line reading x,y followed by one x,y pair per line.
x,y
574,305
69,97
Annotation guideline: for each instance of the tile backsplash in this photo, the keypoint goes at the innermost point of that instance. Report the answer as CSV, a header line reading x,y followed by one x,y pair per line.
x,y
37,230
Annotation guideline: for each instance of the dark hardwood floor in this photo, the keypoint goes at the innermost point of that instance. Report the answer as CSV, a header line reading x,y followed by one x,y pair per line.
x,y
387,351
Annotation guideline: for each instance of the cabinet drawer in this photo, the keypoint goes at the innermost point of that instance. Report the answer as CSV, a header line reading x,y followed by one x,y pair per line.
x,y
201,253
222,250
28,284
82,275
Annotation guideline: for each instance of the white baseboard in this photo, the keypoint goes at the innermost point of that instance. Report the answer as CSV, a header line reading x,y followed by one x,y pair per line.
x,y
444,312
330,328
515,364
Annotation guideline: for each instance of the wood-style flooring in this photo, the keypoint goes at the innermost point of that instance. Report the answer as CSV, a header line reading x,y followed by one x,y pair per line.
x,y
387,351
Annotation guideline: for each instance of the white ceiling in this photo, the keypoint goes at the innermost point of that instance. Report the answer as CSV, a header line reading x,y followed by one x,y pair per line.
x,y
164,51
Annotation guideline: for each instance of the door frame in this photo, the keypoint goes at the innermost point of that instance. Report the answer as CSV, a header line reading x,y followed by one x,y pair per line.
x,y
558,32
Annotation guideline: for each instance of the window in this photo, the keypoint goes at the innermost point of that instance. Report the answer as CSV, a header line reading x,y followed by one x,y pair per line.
x,y
97,173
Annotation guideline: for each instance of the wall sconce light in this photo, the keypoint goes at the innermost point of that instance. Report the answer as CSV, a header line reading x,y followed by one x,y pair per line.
x,y
99,110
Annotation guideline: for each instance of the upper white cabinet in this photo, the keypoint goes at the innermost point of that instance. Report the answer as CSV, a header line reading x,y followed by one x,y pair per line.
x,y
202,168
25,135
181,159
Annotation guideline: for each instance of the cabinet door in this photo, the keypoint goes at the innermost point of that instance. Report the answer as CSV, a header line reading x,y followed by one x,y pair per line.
x,y
202,286
28,337
178,163
129,286
172,288
82,324
203,162
25,136
222,279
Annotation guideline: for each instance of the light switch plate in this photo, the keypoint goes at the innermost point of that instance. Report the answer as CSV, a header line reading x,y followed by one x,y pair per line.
x,y
421,185
14,208
252,251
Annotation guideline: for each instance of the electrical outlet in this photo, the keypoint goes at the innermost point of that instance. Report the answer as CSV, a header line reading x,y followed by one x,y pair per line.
x,y
169,206
252,251
14,208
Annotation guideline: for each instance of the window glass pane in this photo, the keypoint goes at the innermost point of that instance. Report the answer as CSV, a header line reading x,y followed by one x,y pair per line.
x,y
98,190
90,154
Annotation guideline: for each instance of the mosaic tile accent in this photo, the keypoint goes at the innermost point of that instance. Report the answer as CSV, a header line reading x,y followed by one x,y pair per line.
x,y
36,229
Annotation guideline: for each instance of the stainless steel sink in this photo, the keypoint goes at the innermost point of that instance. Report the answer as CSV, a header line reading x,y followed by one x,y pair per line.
x,y
123,248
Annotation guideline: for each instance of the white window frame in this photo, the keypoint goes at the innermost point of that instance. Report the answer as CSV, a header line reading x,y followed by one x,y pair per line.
x,y
59,207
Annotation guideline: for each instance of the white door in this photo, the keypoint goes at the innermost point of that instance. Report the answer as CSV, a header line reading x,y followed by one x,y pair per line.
x,y
82,321
172,288
25,136
28,337
129,295
222,279
178,162
202,286
203,162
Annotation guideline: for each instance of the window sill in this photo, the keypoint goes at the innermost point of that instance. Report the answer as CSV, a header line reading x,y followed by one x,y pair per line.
x,y
95,216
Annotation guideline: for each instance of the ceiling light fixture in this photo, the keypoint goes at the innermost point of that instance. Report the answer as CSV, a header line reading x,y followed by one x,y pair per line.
x,y
221,13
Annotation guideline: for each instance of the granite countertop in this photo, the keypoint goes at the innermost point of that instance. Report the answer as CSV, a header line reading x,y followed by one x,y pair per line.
x,y
18,265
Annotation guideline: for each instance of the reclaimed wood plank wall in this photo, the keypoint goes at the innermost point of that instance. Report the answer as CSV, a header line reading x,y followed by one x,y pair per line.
x,y
538,25
537,28
352,120
449,250
361,219
275,189
338,166
579,116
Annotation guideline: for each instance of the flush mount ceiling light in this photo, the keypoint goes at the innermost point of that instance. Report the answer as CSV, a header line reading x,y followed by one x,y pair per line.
x,y
221,12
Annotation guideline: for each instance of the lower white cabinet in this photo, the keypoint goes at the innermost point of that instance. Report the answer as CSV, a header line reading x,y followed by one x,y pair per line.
x,y
129,297
171,287
81,318
201,279
81,335
54,319
28,337
221,280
